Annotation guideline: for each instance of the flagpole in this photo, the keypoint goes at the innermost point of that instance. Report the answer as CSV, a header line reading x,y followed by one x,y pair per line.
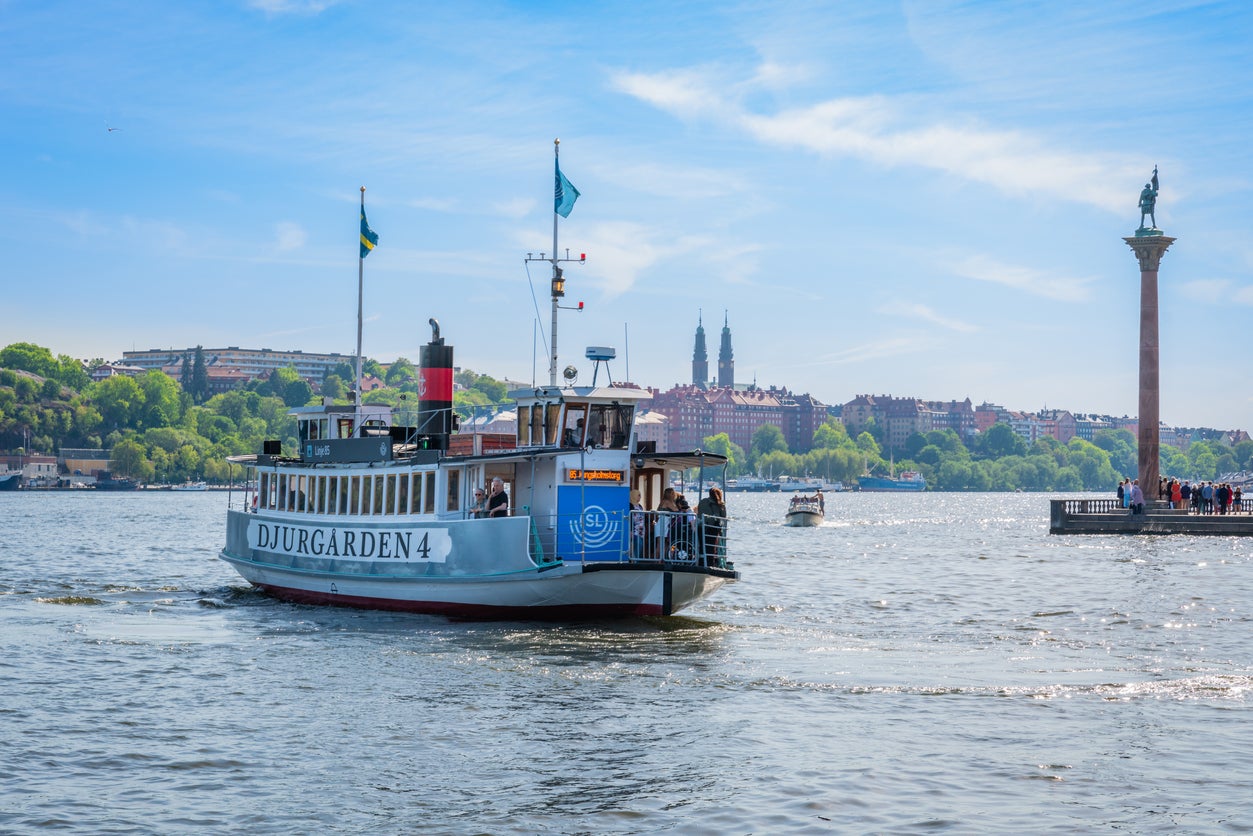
x,y
552,363
360,294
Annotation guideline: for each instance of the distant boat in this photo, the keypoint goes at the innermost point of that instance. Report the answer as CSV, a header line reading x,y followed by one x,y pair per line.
x,y
805,511
10,480
107,482
191,486
909,480
752,484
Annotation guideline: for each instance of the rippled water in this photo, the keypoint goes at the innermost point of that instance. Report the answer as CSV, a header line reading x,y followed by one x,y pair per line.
x,y
929,663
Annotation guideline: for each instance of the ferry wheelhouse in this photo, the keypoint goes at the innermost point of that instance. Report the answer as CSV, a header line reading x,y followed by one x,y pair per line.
x,y
378,511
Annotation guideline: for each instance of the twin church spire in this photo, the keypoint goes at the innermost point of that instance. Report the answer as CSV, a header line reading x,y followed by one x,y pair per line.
x,y
700,357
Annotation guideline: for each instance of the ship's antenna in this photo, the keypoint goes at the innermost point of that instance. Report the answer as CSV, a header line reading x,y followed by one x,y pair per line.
x,y
564,195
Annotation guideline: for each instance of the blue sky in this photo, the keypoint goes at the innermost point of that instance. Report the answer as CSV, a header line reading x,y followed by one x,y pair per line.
x,y
922,199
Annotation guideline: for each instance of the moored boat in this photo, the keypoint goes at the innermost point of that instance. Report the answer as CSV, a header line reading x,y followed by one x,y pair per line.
x,y
106,481
10,480
908,480
191,486
806,511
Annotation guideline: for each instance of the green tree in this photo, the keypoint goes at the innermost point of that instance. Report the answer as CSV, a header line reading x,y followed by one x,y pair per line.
x,y
400,371
120,401
333,387
999,441
1121,446
737,461
129,459
29,357
199,377
767,439
161,399
831,434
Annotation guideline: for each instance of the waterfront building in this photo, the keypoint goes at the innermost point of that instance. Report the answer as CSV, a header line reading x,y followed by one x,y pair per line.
x,y
252,362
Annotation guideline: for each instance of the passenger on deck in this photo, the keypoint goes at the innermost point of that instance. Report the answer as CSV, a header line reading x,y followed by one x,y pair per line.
x,y
479,509
637,526
667,511
713,515
498,504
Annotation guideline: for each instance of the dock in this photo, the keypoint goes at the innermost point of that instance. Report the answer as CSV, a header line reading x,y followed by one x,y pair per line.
x,y
1107,516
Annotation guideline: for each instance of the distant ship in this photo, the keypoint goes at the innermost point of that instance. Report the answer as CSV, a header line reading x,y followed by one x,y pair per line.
x,y
752,484
908,480
10,480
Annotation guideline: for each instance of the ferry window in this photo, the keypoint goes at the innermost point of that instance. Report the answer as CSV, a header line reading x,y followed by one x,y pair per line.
x,y
354,483
302,492
282,492
402,494
263,491
344,427
524,426
537,425
610,425
343,494
317,498
415,494
378,494
454,490
332,495
428,492
365,494
572,431
552,413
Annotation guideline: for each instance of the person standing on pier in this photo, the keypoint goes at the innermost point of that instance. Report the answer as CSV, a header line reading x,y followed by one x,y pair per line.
x,y
1137,498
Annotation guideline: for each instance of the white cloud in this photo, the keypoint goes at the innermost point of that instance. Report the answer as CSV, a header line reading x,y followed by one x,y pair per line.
x,y
926,314
1207,290
289,236
884,131
1036,282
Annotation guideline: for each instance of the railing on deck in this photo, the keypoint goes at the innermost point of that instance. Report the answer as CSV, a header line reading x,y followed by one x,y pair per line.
x,y
674,538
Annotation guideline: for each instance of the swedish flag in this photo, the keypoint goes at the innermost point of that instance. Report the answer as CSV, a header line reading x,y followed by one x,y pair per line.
x,y
369,238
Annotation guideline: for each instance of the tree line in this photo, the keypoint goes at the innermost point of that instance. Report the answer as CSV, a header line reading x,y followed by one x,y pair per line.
x,y
166,430
162,429
998,459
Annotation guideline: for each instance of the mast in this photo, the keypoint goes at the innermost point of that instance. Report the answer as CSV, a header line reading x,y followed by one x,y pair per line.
x,y
356,416
561,200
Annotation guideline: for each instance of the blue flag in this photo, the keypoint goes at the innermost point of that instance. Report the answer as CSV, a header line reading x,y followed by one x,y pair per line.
x,y
369,238
565,195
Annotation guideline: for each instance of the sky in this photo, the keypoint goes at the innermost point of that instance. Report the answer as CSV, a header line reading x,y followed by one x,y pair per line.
x,y
921,199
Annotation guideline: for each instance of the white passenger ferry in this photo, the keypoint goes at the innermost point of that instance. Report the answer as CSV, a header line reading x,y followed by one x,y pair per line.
x,y
370,513
377,510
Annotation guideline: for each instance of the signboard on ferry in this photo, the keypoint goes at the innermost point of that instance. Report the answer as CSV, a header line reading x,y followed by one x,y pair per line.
x,y
573,474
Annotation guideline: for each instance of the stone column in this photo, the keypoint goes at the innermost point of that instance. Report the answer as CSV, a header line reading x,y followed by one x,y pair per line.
x,y
1148,245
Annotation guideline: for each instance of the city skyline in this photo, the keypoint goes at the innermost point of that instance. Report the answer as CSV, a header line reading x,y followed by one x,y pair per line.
x,y
919,199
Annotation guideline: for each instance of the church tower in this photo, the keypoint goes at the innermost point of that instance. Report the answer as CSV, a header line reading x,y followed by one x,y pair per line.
x,y
700,357
726,362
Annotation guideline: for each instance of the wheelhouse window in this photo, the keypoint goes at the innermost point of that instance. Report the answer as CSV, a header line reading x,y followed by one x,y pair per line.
x,y
552,416
609,425
454,490
572,430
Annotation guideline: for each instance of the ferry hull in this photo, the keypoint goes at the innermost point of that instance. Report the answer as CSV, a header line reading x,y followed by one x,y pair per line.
x,y
510,586
561,592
